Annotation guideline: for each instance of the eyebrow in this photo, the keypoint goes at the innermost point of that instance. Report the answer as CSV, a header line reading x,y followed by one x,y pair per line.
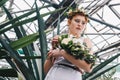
x,y
79,19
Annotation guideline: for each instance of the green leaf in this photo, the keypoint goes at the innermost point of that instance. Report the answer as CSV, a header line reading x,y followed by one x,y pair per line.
x,y
101,73
20,17
26,21
17,60
22,42
42,38
8,13
8,73
16,29
2,2
100,66
2,53
58,25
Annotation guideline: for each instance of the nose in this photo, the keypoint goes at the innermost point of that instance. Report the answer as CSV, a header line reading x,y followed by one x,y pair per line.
x,y
80,24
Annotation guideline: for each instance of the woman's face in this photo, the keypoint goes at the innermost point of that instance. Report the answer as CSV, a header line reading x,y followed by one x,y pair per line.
x,y
77,25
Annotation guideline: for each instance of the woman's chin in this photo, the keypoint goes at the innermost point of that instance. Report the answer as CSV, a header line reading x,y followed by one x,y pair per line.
x,y
78,32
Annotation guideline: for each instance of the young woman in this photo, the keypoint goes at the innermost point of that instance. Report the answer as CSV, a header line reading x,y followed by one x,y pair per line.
x,y
60,65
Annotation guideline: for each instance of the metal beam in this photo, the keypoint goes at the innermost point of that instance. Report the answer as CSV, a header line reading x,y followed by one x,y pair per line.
x,y
53,17
102,33
52,3
109,53
114,11
107,24
109,47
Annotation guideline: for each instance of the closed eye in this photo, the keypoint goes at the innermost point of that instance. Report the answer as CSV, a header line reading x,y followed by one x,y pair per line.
x,y
83,23
77,20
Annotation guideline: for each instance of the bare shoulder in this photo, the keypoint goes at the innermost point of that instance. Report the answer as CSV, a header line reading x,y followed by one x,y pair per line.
x,y
88,42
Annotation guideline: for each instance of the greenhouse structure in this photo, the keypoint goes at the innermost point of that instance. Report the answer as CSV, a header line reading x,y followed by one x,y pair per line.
x,y
28,26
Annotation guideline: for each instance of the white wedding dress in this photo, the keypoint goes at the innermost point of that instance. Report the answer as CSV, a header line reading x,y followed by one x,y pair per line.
x,y
61,72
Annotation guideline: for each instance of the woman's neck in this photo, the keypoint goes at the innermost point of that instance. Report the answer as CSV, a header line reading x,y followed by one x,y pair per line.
x,y
75,35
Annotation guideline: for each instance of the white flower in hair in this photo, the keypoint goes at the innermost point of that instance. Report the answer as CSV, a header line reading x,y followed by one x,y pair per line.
x,y
81,9
70,11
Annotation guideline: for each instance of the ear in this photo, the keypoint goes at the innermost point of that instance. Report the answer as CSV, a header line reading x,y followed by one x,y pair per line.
x,y
69,21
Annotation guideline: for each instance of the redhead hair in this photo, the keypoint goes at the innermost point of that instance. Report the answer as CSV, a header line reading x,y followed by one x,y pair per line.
x,y
75,12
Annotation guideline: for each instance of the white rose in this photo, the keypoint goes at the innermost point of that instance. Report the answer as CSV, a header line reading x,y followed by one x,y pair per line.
x,y
69,11
60,37
65,41
83,47
71,36
76,49
75,40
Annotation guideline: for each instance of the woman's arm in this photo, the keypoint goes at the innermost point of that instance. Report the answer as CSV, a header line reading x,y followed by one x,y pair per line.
x,y
79,63
52,54
48,62
47,65
88,44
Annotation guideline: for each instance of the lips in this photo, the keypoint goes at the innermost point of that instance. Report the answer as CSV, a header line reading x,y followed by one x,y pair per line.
x,y
78,28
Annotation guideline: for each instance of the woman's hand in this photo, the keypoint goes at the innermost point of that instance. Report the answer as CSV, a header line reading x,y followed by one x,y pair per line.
x,y
55,42
77,62
53,54
49,55
56,53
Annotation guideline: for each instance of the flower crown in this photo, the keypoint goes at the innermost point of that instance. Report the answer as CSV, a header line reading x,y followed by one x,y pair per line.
x,y
77,10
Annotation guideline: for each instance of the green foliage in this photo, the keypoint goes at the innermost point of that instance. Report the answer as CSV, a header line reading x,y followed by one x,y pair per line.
x,y
22,22
9,47
104,71
22,42
108,75
100,66
2,2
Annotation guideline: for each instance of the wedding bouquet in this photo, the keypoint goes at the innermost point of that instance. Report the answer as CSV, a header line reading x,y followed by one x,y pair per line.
x,y
74,47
